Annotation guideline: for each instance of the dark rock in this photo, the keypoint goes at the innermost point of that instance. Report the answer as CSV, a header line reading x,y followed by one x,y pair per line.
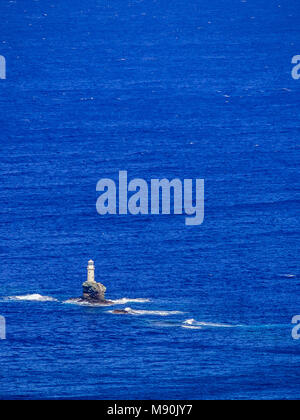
x,y
120,312
94,292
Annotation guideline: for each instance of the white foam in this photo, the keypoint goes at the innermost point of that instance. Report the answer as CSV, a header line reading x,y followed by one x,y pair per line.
x,y
131,311
33,298
191,327
121,301
76,302
80,302
289,276
125,300
192,322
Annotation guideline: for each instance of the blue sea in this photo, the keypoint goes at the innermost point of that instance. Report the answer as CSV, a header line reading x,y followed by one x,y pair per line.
x,y
162,89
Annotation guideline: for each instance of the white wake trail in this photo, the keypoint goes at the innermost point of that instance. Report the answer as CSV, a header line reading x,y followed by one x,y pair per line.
x,y
33,298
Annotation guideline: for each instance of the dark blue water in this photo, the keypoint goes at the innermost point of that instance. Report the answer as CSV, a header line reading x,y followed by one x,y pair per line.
x,y
188,89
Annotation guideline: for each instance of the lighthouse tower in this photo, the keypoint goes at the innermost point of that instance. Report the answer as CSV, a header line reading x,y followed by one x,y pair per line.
x,y
91,272
93,292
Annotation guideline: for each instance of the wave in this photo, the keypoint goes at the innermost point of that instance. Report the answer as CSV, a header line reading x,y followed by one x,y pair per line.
x,y
121,301
191,327
81,302
288,276
125,300
33,298
131,311
193,324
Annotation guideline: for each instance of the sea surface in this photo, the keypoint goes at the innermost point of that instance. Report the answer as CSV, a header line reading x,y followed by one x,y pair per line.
x,y
162,89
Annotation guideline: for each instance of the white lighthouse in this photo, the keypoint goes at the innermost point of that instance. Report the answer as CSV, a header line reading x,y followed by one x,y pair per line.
x,y
93,292
91,272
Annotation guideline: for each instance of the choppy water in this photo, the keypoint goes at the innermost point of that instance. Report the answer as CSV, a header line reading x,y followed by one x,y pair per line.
x,y
161,89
